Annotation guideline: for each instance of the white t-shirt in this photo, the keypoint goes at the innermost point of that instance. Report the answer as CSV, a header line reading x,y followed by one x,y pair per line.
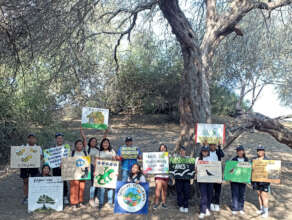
x,y
213,156
107,154
94,152
240,159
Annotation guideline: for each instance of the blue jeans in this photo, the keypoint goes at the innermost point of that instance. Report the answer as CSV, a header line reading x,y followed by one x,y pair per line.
x,y
110,193
93,192
125,175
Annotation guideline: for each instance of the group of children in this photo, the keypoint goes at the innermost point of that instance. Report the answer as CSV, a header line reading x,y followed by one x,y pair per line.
x,y
132,172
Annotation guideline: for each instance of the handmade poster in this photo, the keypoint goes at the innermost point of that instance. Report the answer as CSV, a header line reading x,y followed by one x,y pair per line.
x,y
182,167
95,118
131,198
210,133
209,172
25,157
53,156
239,172
266,171
76,168
106,173
129,152
45,193
155,163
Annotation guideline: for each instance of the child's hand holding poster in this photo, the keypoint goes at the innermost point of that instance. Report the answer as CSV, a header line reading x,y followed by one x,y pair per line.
x,y
210,133
95,118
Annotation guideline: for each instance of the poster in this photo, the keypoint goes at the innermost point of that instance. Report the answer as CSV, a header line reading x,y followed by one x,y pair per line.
x,y
95,118
182,167
155,163
45,193
210,133
131,198
129,152
76,168
106,173
209,172
266,171
54,155
239,172
25,157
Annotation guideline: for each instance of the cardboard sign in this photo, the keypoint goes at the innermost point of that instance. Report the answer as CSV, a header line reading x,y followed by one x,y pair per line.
x,y
106,173
95,118
76,168
155,163
236,171
131,198
53,156
210,133
129,152
266,171
45,193
25,157
182,167
209,172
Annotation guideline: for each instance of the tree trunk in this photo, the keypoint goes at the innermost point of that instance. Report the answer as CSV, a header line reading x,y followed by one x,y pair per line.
x,y
194,103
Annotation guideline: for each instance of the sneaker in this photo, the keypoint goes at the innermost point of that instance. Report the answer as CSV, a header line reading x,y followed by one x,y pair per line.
x,y
265,215
201,216
259,212
66,201
76,207
164,206
96,201
81,205
92,203
234,212
186,210
155,206
242,212
207,212
216,208
25,200
181,209
212,207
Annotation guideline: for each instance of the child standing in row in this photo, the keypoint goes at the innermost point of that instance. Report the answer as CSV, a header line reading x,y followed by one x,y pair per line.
x,y
136,175
238,189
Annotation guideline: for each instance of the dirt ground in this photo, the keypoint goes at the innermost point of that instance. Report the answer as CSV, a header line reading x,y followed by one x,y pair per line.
x,y
148,137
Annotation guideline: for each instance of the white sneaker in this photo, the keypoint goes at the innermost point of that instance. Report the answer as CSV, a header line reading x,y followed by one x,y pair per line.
x,y
265,215
212,207
186,210
234,213
216,208
92,203
259,212
207,212
242,212
181,209
201,216
66,201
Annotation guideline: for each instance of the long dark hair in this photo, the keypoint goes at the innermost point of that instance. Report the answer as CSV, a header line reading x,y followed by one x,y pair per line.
x,y
77,141
139,174
159,149
201,155
101,143
89,141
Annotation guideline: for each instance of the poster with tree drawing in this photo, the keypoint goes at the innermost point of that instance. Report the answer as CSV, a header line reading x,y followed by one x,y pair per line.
x,y
95,118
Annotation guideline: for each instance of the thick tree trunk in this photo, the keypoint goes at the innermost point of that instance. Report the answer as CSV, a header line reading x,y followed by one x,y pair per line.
x,y
194,104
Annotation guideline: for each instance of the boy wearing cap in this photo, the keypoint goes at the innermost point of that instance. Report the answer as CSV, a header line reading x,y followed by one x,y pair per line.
x,y
262,188
238,189
127,163
25,173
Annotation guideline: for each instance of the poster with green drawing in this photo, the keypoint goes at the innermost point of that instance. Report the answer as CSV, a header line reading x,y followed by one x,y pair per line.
x,y
236,171
95,118
106,173
210,133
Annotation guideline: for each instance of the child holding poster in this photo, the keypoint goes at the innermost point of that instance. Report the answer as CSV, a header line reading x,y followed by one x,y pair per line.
x,y
262,188
128,157
106,152
46,169
206,189
25,173
77,187
136,175
238,189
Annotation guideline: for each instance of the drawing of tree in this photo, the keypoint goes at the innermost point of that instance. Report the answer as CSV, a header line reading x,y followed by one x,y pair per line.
x,y
44,199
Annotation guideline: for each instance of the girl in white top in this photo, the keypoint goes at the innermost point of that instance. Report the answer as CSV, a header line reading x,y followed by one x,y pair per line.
x,y
161,183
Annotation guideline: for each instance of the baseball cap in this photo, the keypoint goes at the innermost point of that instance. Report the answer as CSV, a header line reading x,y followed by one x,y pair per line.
x,y
31,135
182,148
59,134
205,148
128,139
239,148
260,147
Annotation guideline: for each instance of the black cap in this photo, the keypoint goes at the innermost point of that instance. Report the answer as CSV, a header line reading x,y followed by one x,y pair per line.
x,y
260,147
59,134
205,148
128,139
31,135
182,148
239,148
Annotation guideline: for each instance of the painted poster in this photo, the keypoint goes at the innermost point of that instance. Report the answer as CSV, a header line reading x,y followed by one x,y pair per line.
x,y
45,193
95,118
182,167
155,163
25,157
209,172
236,171
54,155
131,198
76,168
129,152
106,173
210,133
266,171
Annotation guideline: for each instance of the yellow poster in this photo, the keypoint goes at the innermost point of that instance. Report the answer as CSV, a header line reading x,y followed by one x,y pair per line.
x,y
266,171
